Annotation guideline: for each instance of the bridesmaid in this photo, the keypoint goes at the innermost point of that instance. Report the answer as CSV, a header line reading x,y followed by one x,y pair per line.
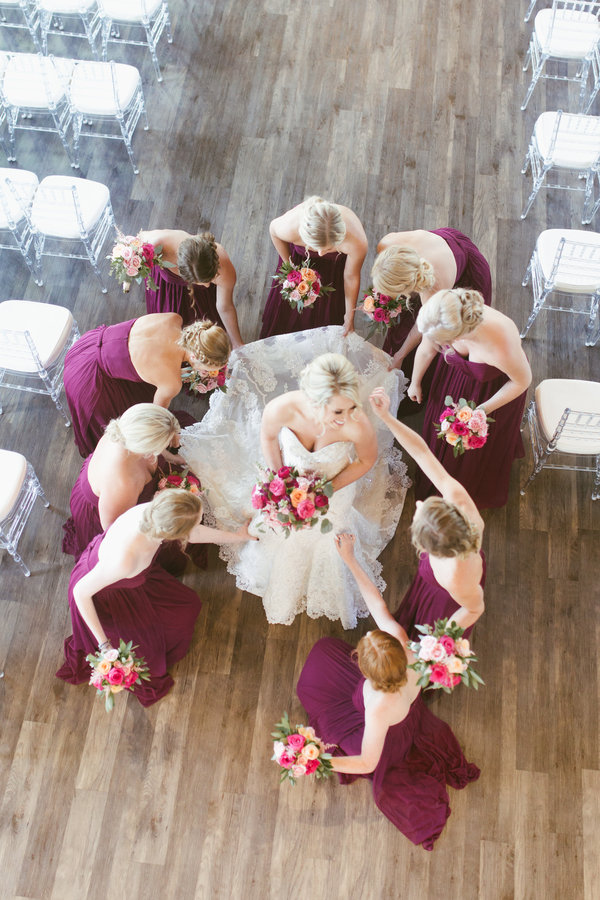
x,y
482,360
111,368
368,703
118,590
447,532
200,282
335,240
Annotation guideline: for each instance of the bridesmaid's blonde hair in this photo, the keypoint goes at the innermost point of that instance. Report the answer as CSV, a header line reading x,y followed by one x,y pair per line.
x,y
171,515
321,224
442,529
450,315
207,343
400,270
382,660
327,375
145,428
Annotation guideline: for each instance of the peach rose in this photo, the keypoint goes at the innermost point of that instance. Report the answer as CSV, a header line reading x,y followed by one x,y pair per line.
x,y
464,414
452,438
116,688
368,304
455,666
463,647
297,496
308,275
308,731
103,667
311,751
302,288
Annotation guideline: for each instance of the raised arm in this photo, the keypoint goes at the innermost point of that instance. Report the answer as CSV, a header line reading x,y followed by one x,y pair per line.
x,y
352,269
225,283
424,356
107,571
277,229
202,534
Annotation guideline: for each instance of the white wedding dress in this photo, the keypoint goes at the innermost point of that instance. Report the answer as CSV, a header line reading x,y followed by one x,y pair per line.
x,y
301,572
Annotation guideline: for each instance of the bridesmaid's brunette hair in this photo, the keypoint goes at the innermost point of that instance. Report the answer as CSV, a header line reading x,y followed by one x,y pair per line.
x,y
382,660
450,315
171,515
198,259
329,374
442,529
321,225
207,343
145,428
400,270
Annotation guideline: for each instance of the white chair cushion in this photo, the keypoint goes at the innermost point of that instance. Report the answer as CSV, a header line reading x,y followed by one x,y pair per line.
x,y
576,274
25,184
131,10
53,210
553,396
48,325
14,469
66,7
92,91
33,82
574,149
574,35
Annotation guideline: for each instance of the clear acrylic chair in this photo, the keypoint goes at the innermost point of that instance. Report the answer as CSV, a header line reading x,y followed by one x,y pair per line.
x,y
147,17
35,95
570,144
67,212
594,81
6,136
567,33
21,14
564,418
101,91
530,8
566,262
34,340
19,488
54,13
17,190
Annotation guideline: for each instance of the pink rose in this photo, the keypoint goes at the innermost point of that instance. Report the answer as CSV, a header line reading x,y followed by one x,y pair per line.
x,y
132,271
306,509
438,652
148,253
383,298
458,428
294,276
476,441
258,500
96,681
438,674
295,296
296,741
193,480
316,286
111,655
127,254
284,472
136,261
277,487
478,418
311,765
321,500
221,378
130,679
481,430
177,480
447,643
287,760
427,644
298,771
447,412
115,676
380,315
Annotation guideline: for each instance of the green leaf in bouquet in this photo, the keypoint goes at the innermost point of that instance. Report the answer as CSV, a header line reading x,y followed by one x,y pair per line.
x,y
424,629
282,517
462,402
109,701
448,400
326,526
328,489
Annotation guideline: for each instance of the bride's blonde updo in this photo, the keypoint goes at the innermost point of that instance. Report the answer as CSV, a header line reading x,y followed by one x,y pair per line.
x,y
198,259
442,529
327,375
145,428
450,315
207,343
382,660
321,225
171,515
400,270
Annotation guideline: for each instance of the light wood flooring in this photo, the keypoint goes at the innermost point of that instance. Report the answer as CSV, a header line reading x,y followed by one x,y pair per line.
x,y
409,114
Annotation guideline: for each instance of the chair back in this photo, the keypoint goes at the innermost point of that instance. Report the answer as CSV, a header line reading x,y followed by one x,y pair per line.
x,y
18,352
576,263
578,432
33,81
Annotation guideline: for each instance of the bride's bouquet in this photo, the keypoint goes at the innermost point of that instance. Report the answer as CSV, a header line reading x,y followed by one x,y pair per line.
x,y
382,310
300,285
299,752
114,671
132,260
289,500
463,425
444,657
205,382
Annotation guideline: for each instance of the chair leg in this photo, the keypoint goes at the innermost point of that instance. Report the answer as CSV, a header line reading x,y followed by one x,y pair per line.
x,y
537,306
19,561
527,277
593,326
127,141
585,69
589,208
596,488
534,192
168,24
55,394
152,48
535,75
85,18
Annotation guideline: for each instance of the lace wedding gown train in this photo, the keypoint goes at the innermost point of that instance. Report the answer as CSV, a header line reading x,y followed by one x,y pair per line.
x,y
302,571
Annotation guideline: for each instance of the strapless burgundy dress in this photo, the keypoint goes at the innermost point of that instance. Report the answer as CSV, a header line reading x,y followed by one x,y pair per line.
x,y
172,295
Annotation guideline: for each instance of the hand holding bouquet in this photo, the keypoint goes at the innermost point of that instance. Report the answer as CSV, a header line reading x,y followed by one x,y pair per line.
x,y
205,382
290,500
382,310
114,671
444,657
463,425
132,259
300,285
299,752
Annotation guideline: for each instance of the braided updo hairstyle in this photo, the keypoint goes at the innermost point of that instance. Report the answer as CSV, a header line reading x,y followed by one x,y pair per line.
x,y
400,270
322,225
450,315
442,529
382,660
207,343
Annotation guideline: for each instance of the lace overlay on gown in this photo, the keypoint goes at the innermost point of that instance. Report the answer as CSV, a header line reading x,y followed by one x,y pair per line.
x,y
302,572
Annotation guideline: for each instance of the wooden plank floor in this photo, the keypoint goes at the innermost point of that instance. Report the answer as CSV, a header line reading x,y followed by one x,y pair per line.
x,y
409,114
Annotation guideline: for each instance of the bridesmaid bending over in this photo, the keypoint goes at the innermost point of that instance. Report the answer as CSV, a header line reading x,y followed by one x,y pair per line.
x,y
336,242
200,283
368,702
480,359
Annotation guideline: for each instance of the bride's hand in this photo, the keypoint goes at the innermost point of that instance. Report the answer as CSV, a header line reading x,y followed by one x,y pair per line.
x,y
380,402
345,545
244,534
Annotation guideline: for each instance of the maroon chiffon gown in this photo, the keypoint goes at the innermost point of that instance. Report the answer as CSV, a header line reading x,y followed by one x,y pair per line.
x,y
280,318
172,295
101,383
472,271
420,755
153,610
426,601
84,523
484,472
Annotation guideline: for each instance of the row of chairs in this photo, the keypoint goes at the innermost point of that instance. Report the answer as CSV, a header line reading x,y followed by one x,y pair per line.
x,y
93,20
54,94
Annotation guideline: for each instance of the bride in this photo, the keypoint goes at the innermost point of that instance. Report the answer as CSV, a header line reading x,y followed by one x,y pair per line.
x,y
325,428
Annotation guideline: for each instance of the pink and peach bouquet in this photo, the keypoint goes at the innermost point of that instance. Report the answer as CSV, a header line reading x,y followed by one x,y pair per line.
x,y
205,382
444,657
183,480
132,260
463,425
289,500
114,671
382,310
299,752
300,285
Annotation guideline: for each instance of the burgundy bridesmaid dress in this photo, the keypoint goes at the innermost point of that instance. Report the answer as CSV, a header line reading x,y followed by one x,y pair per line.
x,y
420,755
426,601
153,610
280,318
172,295
484,472
472,271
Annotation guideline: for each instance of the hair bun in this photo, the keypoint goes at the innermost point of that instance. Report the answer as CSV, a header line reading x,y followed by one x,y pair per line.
x,y
471,307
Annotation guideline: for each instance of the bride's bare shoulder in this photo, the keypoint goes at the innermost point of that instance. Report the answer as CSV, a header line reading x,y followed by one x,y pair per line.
x,y
284,407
